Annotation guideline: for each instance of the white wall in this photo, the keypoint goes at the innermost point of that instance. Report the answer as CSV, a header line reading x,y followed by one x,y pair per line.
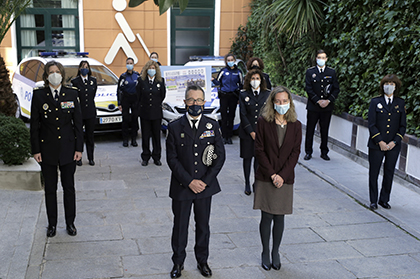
x,y
341,130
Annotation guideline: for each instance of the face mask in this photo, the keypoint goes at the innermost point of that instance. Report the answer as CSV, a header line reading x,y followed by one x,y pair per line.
x,y
151,72
154,59
231,63
255,67
84,71
55,79
389,89
130,67
255,83
282,109
195,110
320,62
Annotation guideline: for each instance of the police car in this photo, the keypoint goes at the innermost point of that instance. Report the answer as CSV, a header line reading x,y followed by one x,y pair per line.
x,y
211,108
28,75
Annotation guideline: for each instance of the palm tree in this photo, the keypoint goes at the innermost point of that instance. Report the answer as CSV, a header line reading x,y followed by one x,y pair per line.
x,y
9,11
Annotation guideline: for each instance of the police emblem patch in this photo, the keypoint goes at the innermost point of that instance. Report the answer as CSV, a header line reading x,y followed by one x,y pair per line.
x,y
158,85
209,125
313,75
380,106
91,82
45,106
246,99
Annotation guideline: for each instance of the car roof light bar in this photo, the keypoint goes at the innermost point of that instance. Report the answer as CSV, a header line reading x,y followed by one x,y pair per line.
x,y
62,53
201,58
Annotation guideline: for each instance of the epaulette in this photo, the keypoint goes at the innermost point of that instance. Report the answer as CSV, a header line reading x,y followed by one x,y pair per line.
x,y
37,88
72,87
243,90
311,67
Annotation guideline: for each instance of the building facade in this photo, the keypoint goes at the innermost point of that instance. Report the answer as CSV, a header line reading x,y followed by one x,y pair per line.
x,y
111,31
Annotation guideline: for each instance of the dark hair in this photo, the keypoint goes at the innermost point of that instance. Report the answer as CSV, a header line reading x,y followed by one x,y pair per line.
x,y
80,66
248,77
227,55
321,51
129,58
47,69
194,87
251,60
390,78
154,52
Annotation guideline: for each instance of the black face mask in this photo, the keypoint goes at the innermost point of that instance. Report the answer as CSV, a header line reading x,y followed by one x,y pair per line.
x,y
195,110
255,67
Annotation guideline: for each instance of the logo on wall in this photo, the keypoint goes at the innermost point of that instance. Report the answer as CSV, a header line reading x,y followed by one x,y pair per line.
x,y
122,40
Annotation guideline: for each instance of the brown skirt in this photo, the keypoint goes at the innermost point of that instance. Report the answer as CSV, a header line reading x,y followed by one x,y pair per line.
x,y
277,201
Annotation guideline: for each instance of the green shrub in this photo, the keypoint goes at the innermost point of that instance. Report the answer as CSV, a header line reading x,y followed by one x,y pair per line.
x,y
15,145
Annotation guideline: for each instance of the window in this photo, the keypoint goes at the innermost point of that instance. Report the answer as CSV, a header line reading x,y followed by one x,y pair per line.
x,y
30,69
192,32
47,25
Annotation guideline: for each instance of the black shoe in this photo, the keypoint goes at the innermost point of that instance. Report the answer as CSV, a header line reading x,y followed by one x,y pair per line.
x,y
204,269
91,162
276,267
71,230
307,157
79,163
144,163
51,231
158,163
134,142
176,270
225,141
229,141
384,205
125,143
247,192
373,206
325,157
265,266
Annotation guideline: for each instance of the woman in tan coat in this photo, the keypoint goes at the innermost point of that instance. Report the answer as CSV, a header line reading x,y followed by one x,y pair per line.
x,y
277,148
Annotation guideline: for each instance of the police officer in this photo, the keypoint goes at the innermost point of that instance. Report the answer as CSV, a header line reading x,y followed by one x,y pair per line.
x,y
151,90
57,141
251,100
87,86
322,88
387,124
257,63
195,155
128,101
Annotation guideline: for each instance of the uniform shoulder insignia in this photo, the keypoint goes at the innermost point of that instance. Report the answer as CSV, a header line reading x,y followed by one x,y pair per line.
x,y
40,87
175,119
313,67
208,118
243,90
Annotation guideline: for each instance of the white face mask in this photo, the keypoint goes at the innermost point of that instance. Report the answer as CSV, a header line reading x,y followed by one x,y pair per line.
x,y
55,79
255,83
389,89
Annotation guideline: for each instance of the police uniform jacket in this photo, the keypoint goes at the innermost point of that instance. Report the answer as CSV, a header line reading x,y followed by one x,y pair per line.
x,y
386,124
229,80
127,84
151,98
321,86
56,129
87,93
250,107
184,154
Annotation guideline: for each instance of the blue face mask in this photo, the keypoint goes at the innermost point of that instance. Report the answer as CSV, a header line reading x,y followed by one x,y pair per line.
x,y
282,109
320,62
154,59
151,72
231,63
130,67
195,110
84,71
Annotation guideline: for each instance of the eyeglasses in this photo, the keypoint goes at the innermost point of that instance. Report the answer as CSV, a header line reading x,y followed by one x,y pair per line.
x,y
191,101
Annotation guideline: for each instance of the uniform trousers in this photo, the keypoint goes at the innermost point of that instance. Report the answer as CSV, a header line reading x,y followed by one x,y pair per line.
x,y
375,160
129,102
182,211
89,136
150,129
324,118
228,104
69,194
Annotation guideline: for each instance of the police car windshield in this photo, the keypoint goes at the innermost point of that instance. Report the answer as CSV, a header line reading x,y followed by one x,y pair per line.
x,y
103,75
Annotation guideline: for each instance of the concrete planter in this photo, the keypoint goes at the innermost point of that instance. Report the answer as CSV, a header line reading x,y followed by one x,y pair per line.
x,y
22,177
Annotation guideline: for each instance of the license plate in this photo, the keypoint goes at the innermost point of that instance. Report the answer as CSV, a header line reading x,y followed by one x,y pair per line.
x,y
113,119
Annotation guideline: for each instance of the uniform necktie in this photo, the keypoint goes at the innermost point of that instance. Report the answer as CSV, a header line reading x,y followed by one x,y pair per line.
x,y
194,128
322,70
389,103
56,96
256,93
150,82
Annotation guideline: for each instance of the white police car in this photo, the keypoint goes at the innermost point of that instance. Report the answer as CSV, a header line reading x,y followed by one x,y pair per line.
x,y
28,75
172,111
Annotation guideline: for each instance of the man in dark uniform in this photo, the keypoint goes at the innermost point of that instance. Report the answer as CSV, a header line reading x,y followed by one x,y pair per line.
x,y
195,154
87,86
322,88
387,125
57,141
